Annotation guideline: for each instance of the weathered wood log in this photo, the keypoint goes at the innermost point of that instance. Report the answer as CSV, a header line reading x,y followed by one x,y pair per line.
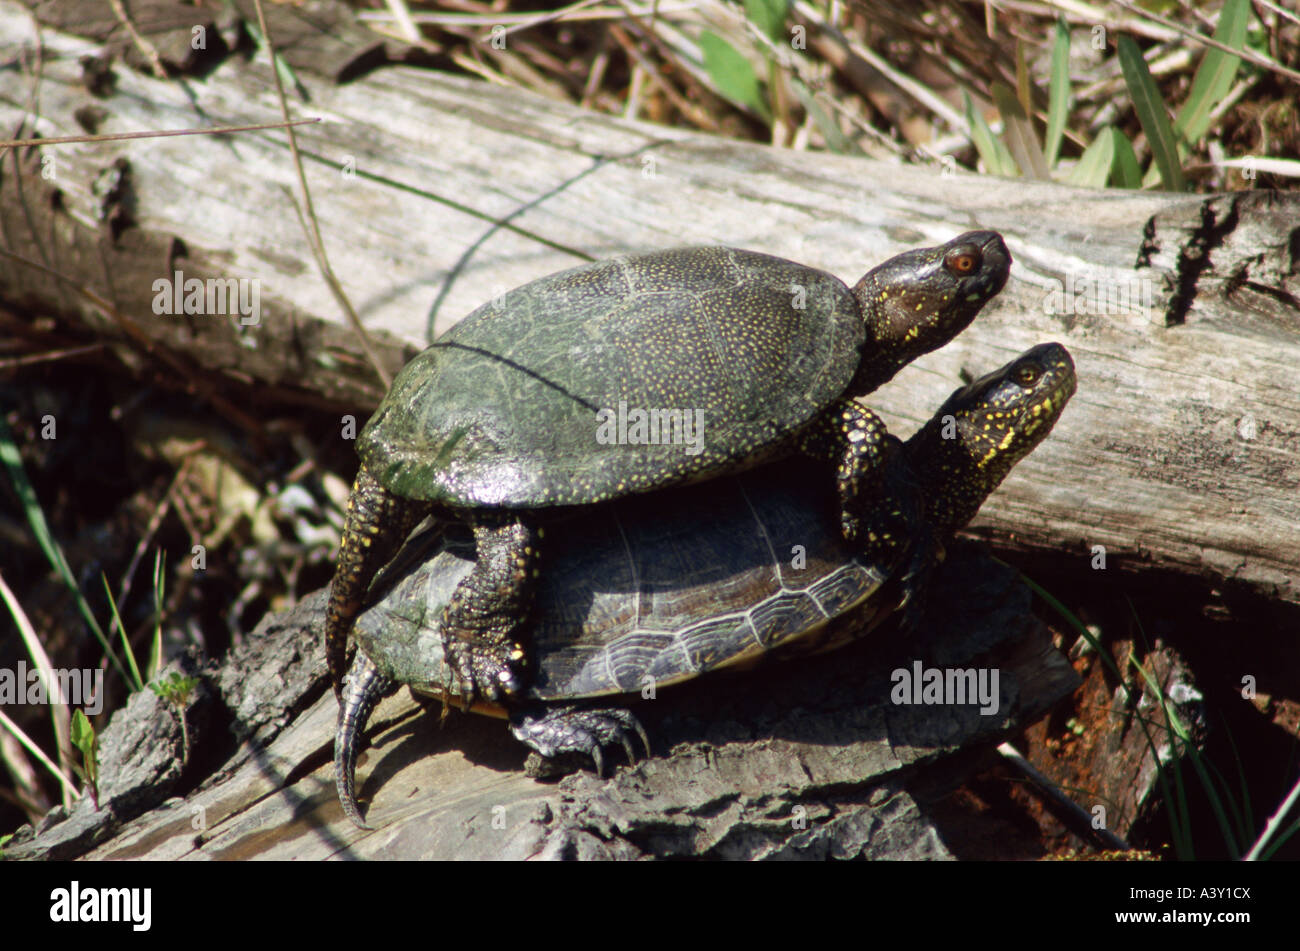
x,y
1182,449
812,758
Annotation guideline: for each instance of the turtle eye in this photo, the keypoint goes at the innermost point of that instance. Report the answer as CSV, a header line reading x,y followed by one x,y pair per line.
x,y
1028,374
962,261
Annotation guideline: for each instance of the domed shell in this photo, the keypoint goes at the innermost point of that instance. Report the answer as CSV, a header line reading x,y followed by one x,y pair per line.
x,y
657,588
617,377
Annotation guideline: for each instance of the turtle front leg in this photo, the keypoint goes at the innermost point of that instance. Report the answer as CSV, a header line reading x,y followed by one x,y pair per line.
x,y
483,621
376,524
856,441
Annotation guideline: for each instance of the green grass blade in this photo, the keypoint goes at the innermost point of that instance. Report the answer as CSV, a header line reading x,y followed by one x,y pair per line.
x,y
1018,131
1278,840
731,73
1058,92
1094,166
1124,169
1180,818
1152,114
159,581
1181,734
768,16
57,704
287,76
1079,627
1246,823
17,733
1024,82
1271,839
41,530
1242,831
1216,802
134,680
1215,74
996,158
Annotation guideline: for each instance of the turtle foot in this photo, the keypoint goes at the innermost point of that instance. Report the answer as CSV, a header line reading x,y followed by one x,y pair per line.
x,y
483,670
487,614
576,730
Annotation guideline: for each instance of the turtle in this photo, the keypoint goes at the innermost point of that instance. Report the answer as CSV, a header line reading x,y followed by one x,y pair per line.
x,y
663,587
625,376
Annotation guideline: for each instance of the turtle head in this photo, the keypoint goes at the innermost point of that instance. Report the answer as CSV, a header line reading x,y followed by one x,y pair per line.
x,y
918,301
968,447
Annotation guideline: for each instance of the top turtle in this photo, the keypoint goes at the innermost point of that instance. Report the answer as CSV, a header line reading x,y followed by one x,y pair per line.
x,y
629,375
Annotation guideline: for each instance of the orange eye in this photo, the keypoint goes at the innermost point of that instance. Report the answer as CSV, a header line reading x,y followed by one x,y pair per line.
x,y
963,262
1028,375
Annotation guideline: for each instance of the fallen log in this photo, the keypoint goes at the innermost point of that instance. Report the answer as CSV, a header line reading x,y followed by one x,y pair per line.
x,y
434,192
811,758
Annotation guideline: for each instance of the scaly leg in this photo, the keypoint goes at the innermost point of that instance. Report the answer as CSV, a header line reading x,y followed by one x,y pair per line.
x,y
855,439
376,524
483,622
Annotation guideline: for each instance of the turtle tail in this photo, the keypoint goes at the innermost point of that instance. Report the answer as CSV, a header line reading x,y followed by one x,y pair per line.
x,y
364,687
376,524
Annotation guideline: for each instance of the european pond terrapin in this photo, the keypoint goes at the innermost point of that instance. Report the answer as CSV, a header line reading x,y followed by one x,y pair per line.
x,y
663,587
626,376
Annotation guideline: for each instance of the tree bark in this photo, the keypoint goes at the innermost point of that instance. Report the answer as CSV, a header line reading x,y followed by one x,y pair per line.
x,y
812,758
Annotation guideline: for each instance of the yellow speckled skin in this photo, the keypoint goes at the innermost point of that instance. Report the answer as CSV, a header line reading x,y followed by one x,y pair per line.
x,y
374,527
986,427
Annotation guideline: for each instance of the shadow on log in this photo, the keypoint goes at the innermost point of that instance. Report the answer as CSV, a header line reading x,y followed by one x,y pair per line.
x,y
804,759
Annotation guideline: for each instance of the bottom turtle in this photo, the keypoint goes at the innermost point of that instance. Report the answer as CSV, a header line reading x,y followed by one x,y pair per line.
x,y
659,588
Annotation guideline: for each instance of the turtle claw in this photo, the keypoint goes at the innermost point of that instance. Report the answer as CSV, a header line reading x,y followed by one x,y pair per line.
x,y
554,732
364,686
645,740
490,672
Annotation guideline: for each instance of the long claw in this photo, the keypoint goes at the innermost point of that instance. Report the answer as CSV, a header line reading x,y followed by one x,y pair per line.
x,y
363,688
